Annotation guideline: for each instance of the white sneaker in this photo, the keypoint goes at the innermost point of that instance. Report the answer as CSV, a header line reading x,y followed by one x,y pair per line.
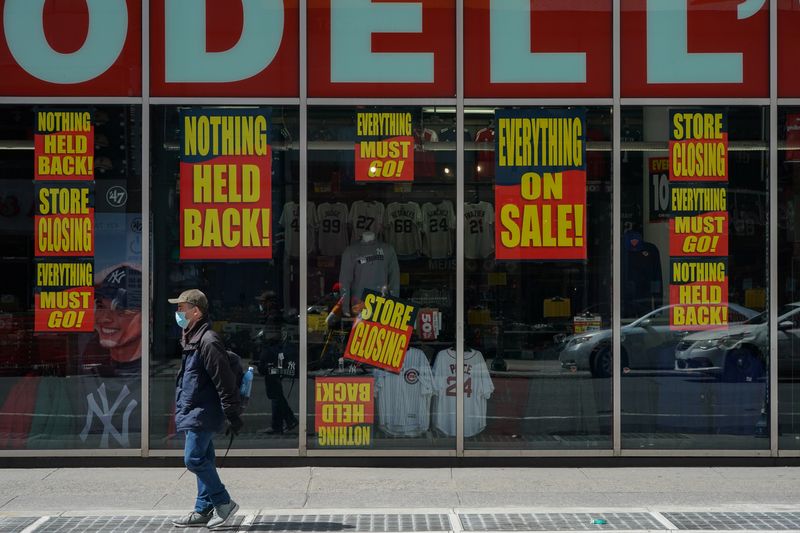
x,y
223,515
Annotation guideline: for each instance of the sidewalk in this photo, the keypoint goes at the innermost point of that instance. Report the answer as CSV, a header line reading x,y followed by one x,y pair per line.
x,y
125,490
375,500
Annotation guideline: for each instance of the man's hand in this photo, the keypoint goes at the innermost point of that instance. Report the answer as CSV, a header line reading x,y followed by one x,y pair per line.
x,y
234,425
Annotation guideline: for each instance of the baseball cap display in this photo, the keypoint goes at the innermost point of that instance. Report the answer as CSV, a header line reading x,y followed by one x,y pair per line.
x,y
192,296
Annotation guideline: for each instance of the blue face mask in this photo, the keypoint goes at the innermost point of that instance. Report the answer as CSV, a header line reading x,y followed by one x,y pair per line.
x,y
180,318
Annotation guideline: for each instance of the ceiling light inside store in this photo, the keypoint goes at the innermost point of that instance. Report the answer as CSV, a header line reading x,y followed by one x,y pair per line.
x,y
16,145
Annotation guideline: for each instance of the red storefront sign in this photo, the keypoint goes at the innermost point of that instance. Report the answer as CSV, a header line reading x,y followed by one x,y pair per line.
x,y
694,48
49,48
562,48
381,48
217,54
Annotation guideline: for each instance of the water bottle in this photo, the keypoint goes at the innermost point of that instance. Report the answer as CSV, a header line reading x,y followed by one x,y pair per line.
x,y
247,386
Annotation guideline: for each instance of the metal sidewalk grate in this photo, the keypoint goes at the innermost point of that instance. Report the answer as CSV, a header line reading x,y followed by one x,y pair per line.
x,y
351,522
116,524
721,521
558,521
15,524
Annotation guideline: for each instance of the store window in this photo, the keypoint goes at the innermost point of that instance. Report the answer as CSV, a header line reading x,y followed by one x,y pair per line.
x,y
695,349
224,196
382,286
537,277
71,290
788,326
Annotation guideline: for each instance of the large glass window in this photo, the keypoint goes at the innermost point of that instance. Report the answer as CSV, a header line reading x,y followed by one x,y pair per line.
x,y
537,267
381,223
224,196
788,326
694,278
70,294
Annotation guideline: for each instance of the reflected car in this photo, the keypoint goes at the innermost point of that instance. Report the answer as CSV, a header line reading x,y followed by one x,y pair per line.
x,y
738,353
647,343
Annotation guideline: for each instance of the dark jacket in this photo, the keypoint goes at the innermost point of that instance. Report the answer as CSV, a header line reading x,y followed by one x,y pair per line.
x,y
206,392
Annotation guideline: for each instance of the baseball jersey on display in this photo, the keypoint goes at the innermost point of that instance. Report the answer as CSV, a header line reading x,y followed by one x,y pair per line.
x,y
332,228
438,223
478,388
402,228
478,230
368,265
365,216
424,161
484,159
404,399
290,220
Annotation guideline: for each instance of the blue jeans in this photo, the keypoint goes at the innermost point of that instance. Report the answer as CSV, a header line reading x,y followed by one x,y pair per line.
x,y
198,456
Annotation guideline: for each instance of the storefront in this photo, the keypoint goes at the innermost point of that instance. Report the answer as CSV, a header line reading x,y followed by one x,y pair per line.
x,y
586,206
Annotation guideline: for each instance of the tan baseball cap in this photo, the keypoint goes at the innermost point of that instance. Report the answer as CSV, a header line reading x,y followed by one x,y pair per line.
x,y
192,296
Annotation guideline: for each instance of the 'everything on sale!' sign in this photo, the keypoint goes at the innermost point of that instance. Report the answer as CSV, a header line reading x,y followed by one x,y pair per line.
x,y
698,224
226,185
540,192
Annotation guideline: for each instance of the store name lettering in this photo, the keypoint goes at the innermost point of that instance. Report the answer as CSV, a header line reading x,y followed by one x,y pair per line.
x,y
352,25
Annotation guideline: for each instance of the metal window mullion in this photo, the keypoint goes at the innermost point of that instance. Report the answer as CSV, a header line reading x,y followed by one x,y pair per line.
x,y
144,434
616,226
303,200
773,227
459,228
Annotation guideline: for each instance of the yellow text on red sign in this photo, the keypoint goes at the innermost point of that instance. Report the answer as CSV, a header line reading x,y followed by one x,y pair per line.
x,y
344,411
64,145
381,334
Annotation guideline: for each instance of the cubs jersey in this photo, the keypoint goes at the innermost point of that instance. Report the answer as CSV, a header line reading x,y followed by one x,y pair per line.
x,y
478,388
290,220
478,230
332,228
438,223
365,216
402,227
404,399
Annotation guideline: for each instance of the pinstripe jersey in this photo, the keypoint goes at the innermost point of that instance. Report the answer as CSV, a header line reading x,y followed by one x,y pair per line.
x,y
404,399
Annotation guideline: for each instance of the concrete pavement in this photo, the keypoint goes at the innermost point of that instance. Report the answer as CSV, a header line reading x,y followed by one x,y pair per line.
x,y
55,491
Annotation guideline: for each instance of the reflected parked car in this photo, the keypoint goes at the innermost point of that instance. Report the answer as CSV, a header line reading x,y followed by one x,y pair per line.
x,y
647,343
739,352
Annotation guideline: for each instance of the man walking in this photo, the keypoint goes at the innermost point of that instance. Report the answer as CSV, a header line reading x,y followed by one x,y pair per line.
x,y
206,395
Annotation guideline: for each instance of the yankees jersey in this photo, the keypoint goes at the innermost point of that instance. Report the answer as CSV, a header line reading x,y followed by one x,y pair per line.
x,y
368,265
404,399
332,228
438,223
290,220
478,230
478,388
365,216
402,227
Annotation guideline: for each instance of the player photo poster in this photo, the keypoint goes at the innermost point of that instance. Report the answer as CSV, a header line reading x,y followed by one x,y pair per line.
x,y
540,189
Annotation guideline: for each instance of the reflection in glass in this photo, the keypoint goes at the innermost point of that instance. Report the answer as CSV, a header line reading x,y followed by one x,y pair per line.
x,y
253,303
540,325
694,381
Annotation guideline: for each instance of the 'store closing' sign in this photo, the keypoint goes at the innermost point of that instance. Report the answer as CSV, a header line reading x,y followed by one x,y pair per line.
x,y
381,333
